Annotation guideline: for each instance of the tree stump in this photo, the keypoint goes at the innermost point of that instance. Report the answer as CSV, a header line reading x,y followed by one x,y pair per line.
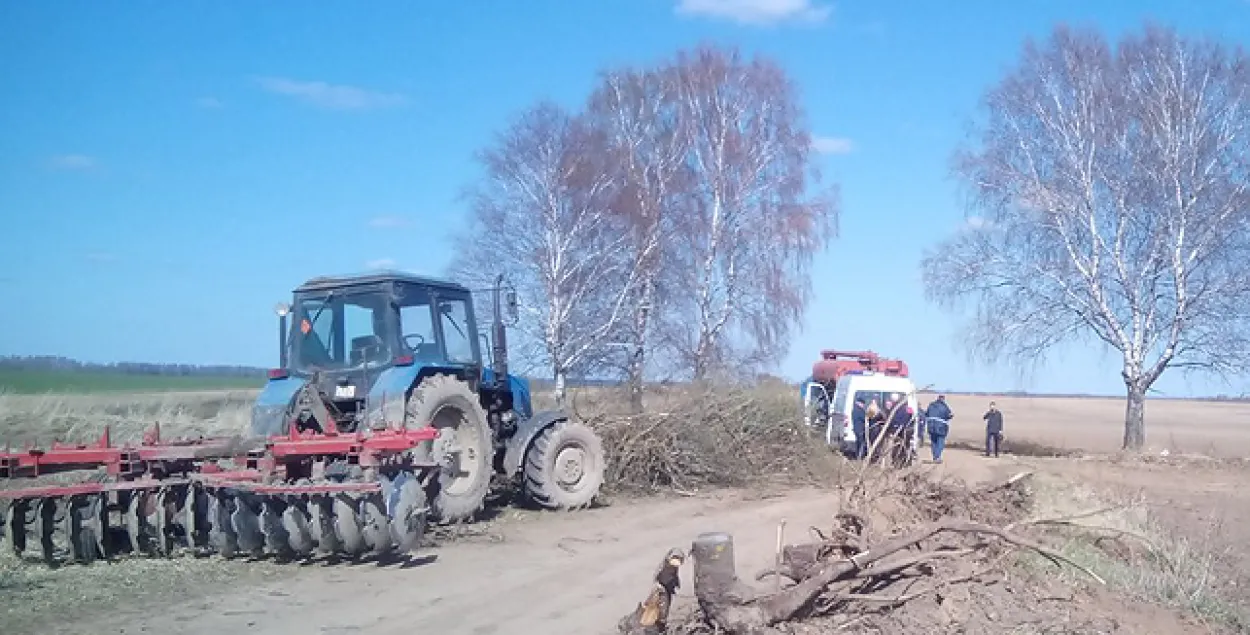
x,y
721,594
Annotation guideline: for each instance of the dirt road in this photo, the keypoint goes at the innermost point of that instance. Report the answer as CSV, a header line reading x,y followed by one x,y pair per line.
x,y
553,574
575,573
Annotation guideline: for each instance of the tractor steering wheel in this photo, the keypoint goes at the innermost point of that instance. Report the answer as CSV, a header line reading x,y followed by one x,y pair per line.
x,y
413,347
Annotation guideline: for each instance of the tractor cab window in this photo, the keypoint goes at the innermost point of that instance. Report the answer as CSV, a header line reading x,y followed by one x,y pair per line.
x,y
454,320
340,332
416,324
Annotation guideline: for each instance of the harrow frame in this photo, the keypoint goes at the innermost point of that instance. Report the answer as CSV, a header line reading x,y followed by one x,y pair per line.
x,y
343,494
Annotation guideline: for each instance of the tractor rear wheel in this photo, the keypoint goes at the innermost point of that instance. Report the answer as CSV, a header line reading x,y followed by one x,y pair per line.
x,y
564,466
448,404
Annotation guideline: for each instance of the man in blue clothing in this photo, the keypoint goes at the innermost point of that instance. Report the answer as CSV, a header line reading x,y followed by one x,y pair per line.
x,y
859,425
938,417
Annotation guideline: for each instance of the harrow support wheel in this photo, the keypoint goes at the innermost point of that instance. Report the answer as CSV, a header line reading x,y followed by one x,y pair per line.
x,y
465,437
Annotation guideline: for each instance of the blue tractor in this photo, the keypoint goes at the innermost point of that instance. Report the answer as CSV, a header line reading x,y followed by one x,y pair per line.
x,y
393,350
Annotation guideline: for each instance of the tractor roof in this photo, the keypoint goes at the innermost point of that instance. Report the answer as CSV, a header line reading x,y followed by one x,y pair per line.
x,y
325,283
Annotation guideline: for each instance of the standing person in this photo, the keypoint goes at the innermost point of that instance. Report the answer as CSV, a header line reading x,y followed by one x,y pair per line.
x,y
993,430
859,425
938,417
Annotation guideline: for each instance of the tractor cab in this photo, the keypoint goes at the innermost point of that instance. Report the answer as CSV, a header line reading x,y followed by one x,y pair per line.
x,y
350,326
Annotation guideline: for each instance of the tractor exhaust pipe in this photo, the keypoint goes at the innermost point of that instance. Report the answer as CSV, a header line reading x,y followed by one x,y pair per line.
x,y
499,335
282,309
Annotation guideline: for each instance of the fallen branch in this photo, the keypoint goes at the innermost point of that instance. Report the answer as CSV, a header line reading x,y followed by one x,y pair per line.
x,y
651,616
736,608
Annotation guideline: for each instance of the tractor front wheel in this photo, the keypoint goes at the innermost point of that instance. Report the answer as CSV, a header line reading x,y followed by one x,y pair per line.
x,y
564,466
449,405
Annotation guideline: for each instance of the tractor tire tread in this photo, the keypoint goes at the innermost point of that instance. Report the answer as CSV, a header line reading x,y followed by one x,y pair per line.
x,y
446,389
539,483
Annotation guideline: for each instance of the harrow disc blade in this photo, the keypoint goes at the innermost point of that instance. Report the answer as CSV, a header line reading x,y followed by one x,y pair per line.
x,y
46,520
162,524
195,516
321,512
246,524
139,510
277,539
347,526
221,536
85,525
375,526
16,517
408,509
297,521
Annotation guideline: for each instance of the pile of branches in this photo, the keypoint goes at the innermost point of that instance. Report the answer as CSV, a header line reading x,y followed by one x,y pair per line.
x,y
854,570
712,437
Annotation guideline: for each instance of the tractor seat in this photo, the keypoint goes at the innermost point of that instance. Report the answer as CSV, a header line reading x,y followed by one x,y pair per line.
x,y
426,352
366,348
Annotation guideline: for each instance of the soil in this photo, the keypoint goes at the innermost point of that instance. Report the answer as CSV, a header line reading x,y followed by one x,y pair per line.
x,y
578,573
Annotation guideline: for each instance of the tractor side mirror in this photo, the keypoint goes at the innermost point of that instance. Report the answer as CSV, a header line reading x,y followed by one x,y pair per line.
x,y
513,311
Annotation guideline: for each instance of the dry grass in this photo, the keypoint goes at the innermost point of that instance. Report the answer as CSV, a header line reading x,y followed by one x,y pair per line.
x,y
39,419
1140,556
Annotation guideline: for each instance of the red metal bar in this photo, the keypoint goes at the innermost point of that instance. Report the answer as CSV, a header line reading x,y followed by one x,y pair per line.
x,y
90,488
200,454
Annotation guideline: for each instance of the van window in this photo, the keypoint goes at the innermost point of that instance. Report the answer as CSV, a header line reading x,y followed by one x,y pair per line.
x,y
839,401
882,396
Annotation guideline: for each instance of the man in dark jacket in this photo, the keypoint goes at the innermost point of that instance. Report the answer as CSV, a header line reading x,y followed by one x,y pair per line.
x,y
859,425
937,417
993,430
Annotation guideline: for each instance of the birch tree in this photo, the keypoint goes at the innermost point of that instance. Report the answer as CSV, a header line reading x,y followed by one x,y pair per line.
x,y
635,111
1112,187
544,214
748,226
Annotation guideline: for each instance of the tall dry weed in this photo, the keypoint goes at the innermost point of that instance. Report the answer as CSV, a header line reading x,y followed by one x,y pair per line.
x,y
40,419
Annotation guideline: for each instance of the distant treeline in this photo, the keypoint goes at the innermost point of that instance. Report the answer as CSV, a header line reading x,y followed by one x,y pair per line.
x,y
46,363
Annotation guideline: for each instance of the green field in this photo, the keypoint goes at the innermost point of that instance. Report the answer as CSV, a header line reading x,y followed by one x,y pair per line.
x,y
44,381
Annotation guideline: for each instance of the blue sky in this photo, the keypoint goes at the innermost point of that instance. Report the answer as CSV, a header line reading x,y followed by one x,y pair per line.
x,y
170,170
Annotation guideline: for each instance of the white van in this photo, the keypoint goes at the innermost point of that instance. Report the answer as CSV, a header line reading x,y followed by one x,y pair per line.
x,y
833,413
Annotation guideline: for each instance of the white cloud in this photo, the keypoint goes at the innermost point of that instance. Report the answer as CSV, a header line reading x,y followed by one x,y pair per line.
x,y
380,263
388,222
212,103
833,145
757,12
73,162
332,96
